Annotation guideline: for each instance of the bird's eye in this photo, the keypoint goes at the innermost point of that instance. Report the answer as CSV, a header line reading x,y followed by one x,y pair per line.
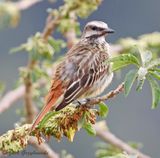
x,y
94,28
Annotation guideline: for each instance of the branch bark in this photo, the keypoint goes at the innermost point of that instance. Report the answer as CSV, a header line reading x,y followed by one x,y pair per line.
x,y
50,26
31,110
44,148
103,132
11,97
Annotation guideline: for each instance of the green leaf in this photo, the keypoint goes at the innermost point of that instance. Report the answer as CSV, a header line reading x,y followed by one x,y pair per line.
x,y
156,69
140,85
129,80
46,118
17,49
155,91
103,109
155,74
71,133
89,128
124,60
56,44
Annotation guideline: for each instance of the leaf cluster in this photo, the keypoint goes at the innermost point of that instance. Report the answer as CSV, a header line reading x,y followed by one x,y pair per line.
x,y
15,140
66,122
37,48
146,68
80,8
9,15
148,42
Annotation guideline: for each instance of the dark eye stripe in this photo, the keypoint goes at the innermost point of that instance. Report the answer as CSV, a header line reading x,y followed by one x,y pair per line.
x,y
94,28
97,28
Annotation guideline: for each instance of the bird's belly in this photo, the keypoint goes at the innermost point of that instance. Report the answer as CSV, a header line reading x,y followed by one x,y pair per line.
x,y
99,86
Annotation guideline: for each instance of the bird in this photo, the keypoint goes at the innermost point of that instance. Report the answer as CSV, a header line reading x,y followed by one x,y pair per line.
x,y
83,72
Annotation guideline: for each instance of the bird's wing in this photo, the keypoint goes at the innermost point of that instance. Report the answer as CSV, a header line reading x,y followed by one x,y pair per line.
x,y
86,65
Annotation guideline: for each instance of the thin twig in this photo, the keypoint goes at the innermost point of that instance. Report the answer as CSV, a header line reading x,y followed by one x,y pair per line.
x,y
109,137
50,26
109,95
43,148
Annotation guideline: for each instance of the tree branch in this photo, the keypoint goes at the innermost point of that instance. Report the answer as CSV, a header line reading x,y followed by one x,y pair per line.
x,y
43,147
103,132
31,110
50,26
10,97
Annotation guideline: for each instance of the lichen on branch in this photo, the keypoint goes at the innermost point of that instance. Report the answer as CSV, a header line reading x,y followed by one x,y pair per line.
x,y
15,140
64,123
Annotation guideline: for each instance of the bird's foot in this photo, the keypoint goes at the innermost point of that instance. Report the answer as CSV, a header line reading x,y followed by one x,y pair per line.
x,y
82,102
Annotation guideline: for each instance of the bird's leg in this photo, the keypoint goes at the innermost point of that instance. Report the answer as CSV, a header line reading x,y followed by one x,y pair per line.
x,y
76,103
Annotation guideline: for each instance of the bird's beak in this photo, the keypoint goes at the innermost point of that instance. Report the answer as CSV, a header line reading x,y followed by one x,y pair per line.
x,y
109,30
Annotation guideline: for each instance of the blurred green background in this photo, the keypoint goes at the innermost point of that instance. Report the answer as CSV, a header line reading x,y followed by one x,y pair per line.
x,y
129,118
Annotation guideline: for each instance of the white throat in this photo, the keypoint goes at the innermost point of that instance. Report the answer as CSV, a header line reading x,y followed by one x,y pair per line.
x,y
101,40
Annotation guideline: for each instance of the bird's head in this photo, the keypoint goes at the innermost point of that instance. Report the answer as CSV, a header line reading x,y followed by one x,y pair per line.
x,y
96,29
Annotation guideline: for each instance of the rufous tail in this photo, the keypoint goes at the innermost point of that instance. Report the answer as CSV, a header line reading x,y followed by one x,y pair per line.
x,y
51,99
41,115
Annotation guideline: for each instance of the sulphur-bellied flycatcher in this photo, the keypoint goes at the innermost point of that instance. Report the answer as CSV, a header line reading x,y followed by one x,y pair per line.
x,y
82,73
